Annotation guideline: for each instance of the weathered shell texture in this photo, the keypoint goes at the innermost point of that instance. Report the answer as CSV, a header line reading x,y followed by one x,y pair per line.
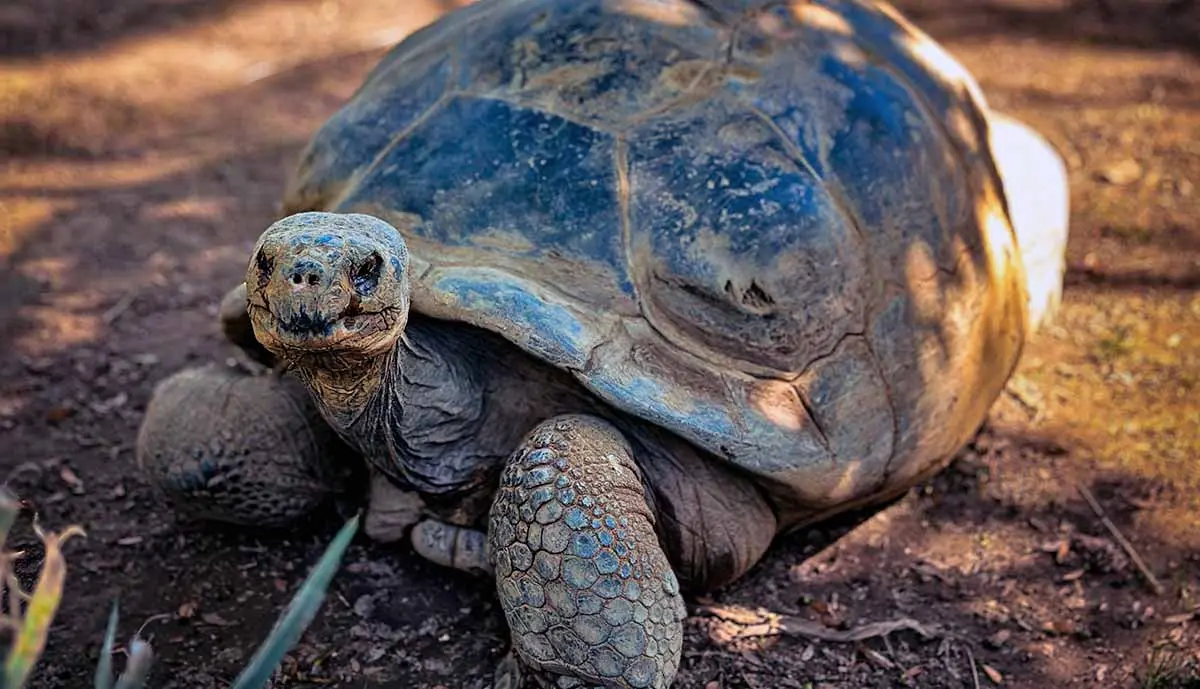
x,y
773,228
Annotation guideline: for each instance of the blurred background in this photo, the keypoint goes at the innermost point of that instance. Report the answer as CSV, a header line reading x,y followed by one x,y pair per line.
x,y
144,145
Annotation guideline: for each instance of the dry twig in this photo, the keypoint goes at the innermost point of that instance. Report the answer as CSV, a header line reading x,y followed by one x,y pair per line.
x,y
974,669
1119,537
117,310
746,624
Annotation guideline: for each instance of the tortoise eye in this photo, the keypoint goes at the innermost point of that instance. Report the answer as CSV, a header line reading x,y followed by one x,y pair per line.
x,y
366,276
266,266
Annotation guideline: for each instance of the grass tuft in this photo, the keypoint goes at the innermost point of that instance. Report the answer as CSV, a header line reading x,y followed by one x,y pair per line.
x,y
29,615
1169,667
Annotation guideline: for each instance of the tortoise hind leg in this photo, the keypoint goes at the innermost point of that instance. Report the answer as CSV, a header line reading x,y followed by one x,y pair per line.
x,y
714,523
587,591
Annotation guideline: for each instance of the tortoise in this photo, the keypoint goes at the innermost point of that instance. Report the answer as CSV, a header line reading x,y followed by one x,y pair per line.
x,y
610,294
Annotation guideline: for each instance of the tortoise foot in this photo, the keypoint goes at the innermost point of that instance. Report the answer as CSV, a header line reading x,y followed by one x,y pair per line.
x,y
588,593
452,546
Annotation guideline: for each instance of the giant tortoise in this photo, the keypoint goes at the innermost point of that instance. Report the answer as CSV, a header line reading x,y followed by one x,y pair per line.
x,y
608,294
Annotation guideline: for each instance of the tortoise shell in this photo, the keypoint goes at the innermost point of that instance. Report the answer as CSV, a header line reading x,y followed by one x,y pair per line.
x,y
775,229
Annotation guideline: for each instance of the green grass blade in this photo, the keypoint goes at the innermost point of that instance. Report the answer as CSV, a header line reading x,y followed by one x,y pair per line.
x,y
299,614
137,668
104,678
39,612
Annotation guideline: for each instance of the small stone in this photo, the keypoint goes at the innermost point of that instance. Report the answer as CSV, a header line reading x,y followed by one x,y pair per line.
x,y
998,639
364,606
1120,174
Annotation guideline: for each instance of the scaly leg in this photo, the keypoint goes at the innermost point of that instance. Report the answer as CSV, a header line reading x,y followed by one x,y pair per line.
x,y
588,593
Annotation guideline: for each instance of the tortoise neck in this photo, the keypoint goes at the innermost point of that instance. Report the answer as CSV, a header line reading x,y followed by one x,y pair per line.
x,y
346,387
406,411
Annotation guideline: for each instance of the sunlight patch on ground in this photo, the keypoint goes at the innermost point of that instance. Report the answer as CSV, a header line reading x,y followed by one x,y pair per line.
x,y
139,112
213,210
19,220
53,176
57,328
1122,375
208,56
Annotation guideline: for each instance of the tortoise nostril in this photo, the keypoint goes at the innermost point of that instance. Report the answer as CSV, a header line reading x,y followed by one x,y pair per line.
x,y
302,277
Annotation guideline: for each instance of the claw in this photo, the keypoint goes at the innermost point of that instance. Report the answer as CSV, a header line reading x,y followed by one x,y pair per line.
x,y
452,546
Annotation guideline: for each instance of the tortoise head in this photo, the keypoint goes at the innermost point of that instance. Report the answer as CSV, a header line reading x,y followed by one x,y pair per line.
x,y
328,283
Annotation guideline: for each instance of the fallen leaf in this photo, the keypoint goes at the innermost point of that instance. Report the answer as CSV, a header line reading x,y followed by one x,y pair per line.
x,y
1179,619
1075,603
187,610
877,658
129,540
1063,550
58,414
216,620
72,480
713,685
1073,575
993,674
1060,627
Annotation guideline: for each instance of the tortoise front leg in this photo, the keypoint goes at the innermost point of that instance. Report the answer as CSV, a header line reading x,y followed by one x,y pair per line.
x,y
222,444
587,591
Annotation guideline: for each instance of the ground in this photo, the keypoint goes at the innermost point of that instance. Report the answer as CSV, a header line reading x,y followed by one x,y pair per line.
x,y
144,145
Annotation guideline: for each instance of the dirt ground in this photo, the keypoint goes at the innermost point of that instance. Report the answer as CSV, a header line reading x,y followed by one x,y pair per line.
x,y
143,147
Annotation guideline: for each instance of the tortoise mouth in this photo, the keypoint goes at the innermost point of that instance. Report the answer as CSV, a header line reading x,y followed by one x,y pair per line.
x,y
312,329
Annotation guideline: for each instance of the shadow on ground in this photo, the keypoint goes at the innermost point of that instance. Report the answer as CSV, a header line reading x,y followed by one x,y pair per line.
x,y
1136,24
38,28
